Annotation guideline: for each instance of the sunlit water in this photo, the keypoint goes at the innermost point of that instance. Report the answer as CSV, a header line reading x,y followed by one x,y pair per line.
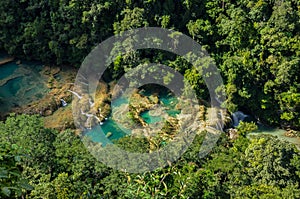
x,y
150,119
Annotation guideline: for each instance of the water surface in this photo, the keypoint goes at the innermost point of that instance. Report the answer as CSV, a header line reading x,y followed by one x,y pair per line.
x,y
262,129
117,131
20,84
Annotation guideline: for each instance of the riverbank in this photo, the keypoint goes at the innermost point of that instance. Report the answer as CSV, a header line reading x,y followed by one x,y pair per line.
x,y
6,60
32,87
55,105
280,133
19,78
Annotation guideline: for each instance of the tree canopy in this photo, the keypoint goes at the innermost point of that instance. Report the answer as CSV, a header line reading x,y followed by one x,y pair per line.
x,y
255,43
256,47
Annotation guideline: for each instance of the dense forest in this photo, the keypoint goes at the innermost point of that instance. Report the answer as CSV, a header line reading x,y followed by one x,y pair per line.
x,y
42,163
256,47
254,43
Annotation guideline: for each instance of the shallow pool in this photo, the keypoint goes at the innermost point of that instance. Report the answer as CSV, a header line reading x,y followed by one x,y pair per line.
x,y
116,131
20,84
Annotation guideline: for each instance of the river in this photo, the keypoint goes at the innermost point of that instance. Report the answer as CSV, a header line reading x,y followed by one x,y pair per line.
x,y
280,133
110,130
22,83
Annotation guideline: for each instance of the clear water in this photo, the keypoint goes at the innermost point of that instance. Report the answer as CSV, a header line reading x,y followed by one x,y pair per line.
x,y
119,101
98,133
150,119
276,132
20,84
169,101
11,88
7,70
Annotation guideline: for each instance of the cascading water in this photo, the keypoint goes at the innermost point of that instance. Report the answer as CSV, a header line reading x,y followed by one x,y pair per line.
x,y
237,117
112,130
63,102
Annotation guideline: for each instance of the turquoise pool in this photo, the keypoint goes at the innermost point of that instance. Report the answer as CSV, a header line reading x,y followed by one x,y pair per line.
x,y
99,133
20,84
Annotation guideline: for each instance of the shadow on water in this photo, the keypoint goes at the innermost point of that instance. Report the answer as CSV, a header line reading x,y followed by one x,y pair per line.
x,y
20,84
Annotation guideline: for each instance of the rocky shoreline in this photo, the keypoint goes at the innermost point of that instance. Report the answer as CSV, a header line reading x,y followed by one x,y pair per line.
x,y
52,100
6,60
60,82
292,134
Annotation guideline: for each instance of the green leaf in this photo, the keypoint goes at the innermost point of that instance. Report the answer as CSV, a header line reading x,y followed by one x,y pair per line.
x,y
3,173
6,191
25,185
17,158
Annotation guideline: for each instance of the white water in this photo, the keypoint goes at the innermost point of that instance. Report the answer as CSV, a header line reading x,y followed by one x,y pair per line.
x,y
76,94
237,117
63,102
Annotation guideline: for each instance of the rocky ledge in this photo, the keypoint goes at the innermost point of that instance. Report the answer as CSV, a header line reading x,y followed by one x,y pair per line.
x,y
292,133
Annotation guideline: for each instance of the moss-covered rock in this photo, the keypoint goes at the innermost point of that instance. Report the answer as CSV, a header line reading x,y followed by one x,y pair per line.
x,y
61,119
58,90
292,133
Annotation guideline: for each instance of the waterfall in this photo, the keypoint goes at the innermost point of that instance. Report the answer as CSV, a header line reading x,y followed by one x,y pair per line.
x,y
63,102
89,116
77,95
101,114
91,102
98,119
237,117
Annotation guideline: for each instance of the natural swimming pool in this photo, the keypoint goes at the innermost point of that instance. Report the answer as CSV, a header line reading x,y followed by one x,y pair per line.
x,y
111,130
20,84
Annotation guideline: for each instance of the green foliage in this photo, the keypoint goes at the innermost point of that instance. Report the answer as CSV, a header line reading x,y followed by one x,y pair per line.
x,y
29,134
134,144
260,167
131,19
246,127
11,181
266,169
255,44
